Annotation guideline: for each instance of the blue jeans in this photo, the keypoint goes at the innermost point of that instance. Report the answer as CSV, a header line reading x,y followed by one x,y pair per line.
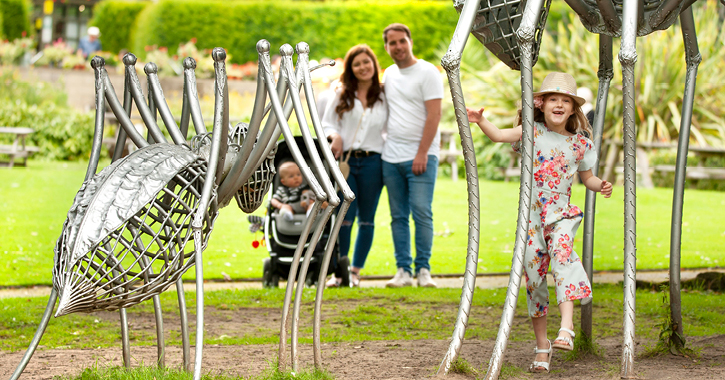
x,y
366,181
408,193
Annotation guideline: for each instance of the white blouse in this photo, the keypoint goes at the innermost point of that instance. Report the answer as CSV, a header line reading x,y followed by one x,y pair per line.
x,y
372,121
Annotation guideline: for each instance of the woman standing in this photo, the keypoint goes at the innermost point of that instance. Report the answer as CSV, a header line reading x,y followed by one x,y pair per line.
x,y
354,122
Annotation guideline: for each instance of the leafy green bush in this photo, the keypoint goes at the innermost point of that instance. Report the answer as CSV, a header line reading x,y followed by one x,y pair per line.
x,y
61,132
116,18
329,28
659,79
2,31
15,19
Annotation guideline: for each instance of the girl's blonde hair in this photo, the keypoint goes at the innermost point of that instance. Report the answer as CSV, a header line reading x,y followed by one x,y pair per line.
x,y
577,121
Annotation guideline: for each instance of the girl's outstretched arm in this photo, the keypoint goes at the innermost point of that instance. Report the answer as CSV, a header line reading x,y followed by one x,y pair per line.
x,y
493,133
594,183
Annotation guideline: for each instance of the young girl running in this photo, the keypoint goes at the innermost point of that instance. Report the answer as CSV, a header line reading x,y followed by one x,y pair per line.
x,y
561,151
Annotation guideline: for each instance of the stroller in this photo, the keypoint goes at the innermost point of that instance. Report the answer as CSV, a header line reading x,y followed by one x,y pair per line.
x,y
282,235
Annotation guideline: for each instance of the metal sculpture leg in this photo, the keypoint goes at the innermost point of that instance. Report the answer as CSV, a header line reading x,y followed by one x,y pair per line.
x,y
693,58
628,57
38,334
605,74
184,321
525,36
451,62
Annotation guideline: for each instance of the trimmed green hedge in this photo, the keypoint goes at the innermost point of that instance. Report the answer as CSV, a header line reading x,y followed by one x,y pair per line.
x,y
329,28
2,32
15,18
116,19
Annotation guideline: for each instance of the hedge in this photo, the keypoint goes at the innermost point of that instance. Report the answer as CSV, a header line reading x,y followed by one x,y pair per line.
x,y
329,28
116,19
15,18
2,32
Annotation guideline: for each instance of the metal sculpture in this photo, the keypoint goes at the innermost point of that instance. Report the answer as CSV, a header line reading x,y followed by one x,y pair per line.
x,y
137,226
512,29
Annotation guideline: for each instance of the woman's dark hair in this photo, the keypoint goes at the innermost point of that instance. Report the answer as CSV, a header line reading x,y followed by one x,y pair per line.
x,y
349,80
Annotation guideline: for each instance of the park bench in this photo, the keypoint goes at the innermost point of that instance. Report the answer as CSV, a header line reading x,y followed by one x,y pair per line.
x,y
18,149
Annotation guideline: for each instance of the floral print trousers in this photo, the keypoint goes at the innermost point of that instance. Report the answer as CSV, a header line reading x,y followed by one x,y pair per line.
x,y
553,244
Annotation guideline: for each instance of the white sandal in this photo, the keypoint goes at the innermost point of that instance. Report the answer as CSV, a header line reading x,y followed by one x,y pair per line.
x,y
536,365
569,343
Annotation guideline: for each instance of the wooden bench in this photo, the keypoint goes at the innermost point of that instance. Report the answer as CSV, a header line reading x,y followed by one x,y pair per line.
x,y
612,151
18,149
448,152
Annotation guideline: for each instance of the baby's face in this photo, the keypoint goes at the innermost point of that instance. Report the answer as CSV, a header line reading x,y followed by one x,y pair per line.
x,y
290,175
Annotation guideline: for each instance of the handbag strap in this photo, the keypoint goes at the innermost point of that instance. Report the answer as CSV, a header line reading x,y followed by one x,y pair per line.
x,y
355,135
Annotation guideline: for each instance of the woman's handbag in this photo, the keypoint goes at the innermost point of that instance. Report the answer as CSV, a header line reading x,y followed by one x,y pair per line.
x,y
344,166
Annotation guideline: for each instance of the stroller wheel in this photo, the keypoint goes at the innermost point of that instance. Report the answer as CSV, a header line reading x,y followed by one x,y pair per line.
x,y
269,280
343,271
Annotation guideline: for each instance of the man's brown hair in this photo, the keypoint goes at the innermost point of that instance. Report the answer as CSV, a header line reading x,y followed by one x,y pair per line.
x,y
398,27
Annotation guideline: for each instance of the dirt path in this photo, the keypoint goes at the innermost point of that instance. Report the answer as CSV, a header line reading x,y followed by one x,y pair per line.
x,y
387,360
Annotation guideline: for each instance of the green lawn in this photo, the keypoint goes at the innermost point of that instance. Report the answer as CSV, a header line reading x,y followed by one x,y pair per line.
x,y
351,315
34,202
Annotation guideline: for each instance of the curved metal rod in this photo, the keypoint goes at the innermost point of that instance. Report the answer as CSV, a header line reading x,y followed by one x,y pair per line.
x,y
125,343
221,113
127,103
184,324
38,335
282,352
152,109
219,55
605,74
321,220
123,119
451,61
327,191
235,179
100,72
693,58
628,57
347,194
193,96
157,94
324,265
525,37
143,109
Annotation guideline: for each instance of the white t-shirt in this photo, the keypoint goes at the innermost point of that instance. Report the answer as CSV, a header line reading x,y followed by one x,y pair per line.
x,y
407,90
369,135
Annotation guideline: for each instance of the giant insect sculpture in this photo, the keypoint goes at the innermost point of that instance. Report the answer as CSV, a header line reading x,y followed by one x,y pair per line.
x,y
139,224
512,29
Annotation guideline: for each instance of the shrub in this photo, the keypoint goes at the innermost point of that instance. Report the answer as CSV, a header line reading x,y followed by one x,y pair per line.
x,y
15,18
62,133
116,18
329,28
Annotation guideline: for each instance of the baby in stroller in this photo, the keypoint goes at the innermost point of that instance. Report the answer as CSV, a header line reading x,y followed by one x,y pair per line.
x,y
284,223
292,196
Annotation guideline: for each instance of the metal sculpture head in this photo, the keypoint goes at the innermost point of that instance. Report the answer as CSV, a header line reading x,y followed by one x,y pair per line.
x,y
496,24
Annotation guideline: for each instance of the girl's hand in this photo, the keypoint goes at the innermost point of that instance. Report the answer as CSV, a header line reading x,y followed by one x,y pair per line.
x,y
474,116
606,189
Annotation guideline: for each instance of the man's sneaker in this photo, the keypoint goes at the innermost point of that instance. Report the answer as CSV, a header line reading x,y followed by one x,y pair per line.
x,y
424,279
401,279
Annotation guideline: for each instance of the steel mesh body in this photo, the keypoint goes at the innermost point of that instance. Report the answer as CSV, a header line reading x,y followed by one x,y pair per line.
x,y
496,24
251,195
142,257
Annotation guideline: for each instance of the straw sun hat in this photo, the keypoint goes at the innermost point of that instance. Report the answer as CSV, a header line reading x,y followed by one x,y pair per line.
x,y
561,83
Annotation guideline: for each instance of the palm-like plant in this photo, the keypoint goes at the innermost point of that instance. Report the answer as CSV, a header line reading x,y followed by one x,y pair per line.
x,y
660,79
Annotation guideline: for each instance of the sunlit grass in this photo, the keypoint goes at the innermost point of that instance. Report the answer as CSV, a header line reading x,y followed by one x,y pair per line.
x,y
34,202
348,316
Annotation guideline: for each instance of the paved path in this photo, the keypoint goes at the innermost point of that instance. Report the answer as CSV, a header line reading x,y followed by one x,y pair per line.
x,y
448,281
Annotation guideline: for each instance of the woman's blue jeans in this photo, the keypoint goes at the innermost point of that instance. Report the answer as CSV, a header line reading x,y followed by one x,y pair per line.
x,y
366,181
409,193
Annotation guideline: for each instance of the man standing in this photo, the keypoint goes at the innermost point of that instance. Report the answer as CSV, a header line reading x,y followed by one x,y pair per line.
x,y
90,43
414,91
